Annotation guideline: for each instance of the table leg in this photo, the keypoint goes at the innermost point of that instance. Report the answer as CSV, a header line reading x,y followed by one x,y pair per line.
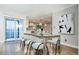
x,y
59,47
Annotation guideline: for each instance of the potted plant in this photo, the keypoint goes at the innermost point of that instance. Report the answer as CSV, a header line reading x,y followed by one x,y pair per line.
x,y
41,27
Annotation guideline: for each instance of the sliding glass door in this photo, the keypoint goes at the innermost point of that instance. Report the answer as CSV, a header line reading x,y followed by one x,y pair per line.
x,y
14,28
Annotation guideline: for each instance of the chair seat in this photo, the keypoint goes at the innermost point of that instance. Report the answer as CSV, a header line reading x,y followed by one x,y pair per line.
x,y
37,46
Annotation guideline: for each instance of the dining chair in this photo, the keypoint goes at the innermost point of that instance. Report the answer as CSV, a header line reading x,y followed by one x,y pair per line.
x,y
25,42
22,43
37,46
55,42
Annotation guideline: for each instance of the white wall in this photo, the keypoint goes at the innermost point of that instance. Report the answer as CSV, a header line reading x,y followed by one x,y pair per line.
x,y
72,40
78,29
2,28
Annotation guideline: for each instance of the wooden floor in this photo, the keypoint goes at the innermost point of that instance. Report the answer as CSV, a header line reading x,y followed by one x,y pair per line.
x,y
13,48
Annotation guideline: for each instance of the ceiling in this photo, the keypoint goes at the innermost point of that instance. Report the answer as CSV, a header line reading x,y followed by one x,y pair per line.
x,y
33,9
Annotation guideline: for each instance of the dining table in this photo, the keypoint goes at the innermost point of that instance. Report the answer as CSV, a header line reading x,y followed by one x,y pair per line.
x,y
45,38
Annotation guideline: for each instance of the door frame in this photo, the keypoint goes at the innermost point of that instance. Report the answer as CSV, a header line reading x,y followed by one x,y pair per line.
x,y
15,27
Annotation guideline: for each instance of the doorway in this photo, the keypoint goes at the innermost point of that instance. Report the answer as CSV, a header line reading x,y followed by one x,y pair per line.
x,y
14,29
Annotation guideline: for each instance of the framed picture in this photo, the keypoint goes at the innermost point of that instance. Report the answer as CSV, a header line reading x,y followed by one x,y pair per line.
x,y
65,24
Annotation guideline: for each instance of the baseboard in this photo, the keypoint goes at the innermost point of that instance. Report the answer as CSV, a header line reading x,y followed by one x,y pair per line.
x,y
13,40
9,40
2,41
70,45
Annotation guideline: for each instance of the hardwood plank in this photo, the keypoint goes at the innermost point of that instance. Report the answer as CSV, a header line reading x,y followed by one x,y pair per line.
x,y
13,48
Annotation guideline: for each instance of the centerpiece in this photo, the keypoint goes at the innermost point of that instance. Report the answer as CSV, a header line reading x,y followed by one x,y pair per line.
x,y
41,27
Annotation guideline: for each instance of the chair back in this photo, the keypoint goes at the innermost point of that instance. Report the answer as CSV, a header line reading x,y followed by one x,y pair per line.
x,y
55,40
26,37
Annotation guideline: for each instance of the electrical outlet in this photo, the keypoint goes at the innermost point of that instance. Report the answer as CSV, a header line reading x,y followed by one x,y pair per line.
x,y
65,40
